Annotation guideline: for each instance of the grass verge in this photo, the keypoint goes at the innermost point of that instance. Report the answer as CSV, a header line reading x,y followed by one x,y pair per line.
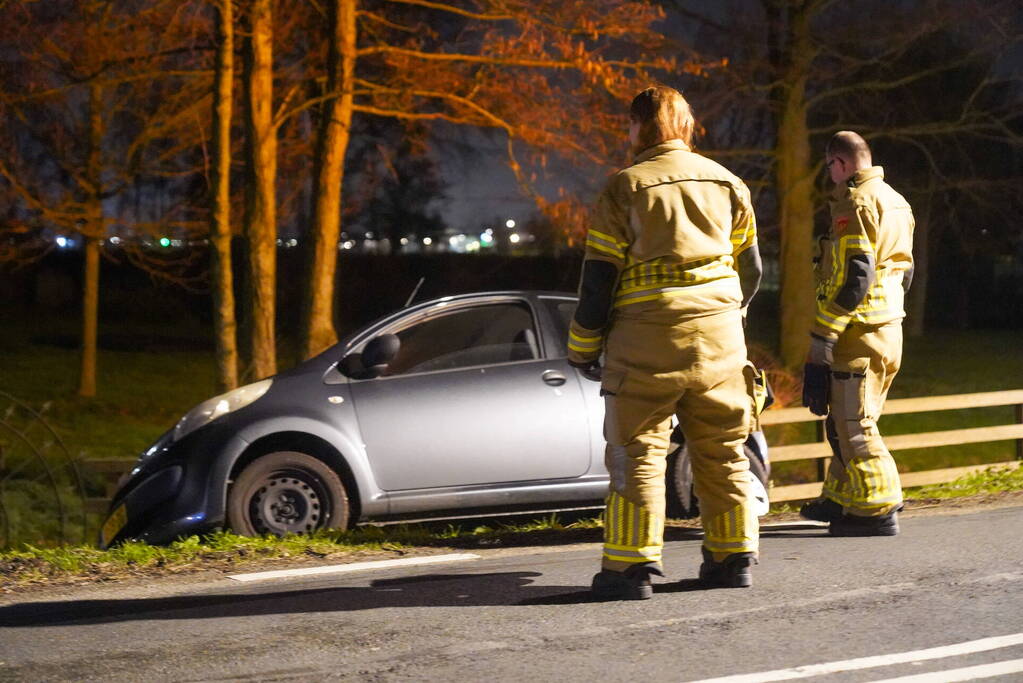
x,y
991,480
224,551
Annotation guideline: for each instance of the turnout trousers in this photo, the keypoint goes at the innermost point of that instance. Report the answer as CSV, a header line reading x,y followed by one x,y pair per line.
x,y
862,476
656,368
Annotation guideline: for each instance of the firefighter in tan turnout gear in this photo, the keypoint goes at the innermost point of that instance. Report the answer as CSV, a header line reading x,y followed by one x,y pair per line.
x,y
863,271
671,263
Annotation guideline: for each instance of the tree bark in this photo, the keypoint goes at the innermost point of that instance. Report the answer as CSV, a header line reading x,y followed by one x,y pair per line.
x,y
916,306
220,227
260,204
794,183
93,233
318,327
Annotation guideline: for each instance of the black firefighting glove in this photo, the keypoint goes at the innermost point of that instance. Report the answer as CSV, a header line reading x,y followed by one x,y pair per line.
x,y
817,375
590,369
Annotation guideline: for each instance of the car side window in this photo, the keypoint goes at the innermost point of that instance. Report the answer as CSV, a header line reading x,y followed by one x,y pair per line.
x,y
561,311
479,335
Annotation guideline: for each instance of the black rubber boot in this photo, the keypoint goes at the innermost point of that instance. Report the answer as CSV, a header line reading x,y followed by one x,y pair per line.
x,y
853,525
735,571
821,510
632,584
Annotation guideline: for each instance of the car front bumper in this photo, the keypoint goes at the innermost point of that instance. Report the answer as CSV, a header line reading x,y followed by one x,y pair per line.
x,y
179,494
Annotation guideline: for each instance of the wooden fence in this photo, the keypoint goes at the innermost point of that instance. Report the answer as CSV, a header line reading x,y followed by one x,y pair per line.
x,y
821,451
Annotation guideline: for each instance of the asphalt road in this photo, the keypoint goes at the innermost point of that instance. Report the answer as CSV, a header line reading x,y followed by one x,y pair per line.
x,y
526,616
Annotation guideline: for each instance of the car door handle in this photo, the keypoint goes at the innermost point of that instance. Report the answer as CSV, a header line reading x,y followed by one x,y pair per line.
x,y
554,378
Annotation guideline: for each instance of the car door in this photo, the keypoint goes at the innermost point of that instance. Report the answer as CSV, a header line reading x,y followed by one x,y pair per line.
x,y
469,400
560,310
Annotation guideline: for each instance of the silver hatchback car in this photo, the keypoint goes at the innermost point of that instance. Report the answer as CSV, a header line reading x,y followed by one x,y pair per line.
x,y
462,406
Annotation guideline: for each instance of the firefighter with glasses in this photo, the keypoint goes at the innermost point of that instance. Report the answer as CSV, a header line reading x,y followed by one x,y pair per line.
x,y
864,269
671,264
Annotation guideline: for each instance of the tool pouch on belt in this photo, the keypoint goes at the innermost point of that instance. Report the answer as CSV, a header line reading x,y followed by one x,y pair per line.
x,y
759,390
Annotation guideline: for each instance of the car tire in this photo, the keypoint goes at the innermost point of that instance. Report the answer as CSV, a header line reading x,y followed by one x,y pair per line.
x,y
681,500
286,492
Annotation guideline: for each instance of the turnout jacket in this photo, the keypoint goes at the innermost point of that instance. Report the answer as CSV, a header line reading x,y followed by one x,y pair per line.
x,y
864,264
672,237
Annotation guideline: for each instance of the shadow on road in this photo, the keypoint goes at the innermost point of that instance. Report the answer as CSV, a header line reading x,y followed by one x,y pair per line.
x,y
434,590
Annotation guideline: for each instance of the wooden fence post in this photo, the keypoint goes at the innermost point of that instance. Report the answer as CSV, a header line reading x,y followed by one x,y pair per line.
x,y
1019,441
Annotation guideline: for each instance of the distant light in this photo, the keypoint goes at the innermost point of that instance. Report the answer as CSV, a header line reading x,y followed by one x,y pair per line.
x,y
62,241
115,240
427,241
488,231
348,244
369,235
404,241
514,239
165,242
293,242
510,223
487,239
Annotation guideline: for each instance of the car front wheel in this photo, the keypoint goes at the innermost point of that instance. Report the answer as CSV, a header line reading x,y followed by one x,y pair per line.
x,y
681,498
286,492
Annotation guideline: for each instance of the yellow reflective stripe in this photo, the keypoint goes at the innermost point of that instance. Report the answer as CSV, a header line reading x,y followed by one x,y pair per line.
x,y
605,250
742,247
744,232
583,340
583,349
659,294
619,517
836,324
847,242
632,548
607,238
636,560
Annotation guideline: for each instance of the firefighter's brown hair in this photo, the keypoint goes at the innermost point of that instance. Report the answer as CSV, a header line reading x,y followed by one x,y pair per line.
x,y
850,145
662,114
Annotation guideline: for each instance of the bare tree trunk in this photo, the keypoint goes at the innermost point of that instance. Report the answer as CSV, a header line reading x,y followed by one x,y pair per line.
x,y
93,233
220,227
794,182
318,327
260,204
916,307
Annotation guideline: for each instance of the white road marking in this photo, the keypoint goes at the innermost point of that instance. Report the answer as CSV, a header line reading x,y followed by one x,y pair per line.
x,y
969,673
809,670
354,567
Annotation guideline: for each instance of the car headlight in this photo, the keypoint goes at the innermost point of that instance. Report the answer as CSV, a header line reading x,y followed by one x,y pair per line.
x,y
218,406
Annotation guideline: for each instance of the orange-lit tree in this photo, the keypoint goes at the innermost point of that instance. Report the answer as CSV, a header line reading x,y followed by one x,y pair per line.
x,y
551,77
83,124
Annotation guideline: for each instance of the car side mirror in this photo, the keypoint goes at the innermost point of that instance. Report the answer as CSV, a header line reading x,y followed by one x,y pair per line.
x,y
373,360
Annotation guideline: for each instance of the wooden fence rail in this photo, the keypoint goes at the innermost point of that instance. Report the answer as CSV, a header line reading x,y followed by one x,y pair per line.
x,y
820,450
111,470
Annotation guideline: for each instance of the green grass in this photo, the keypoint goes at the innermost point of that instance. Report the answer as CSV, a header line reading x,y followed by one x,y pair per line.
x,y
991,480
224,550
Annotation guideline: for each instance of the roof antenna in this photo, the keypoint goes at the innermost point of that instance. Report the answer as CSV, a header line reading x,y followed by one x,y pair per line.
x,y
414,292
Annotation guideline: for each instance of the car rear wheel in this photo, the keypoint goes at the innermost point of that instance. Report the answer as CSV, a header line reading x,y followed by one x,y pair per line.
x,y
286,492
681,499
